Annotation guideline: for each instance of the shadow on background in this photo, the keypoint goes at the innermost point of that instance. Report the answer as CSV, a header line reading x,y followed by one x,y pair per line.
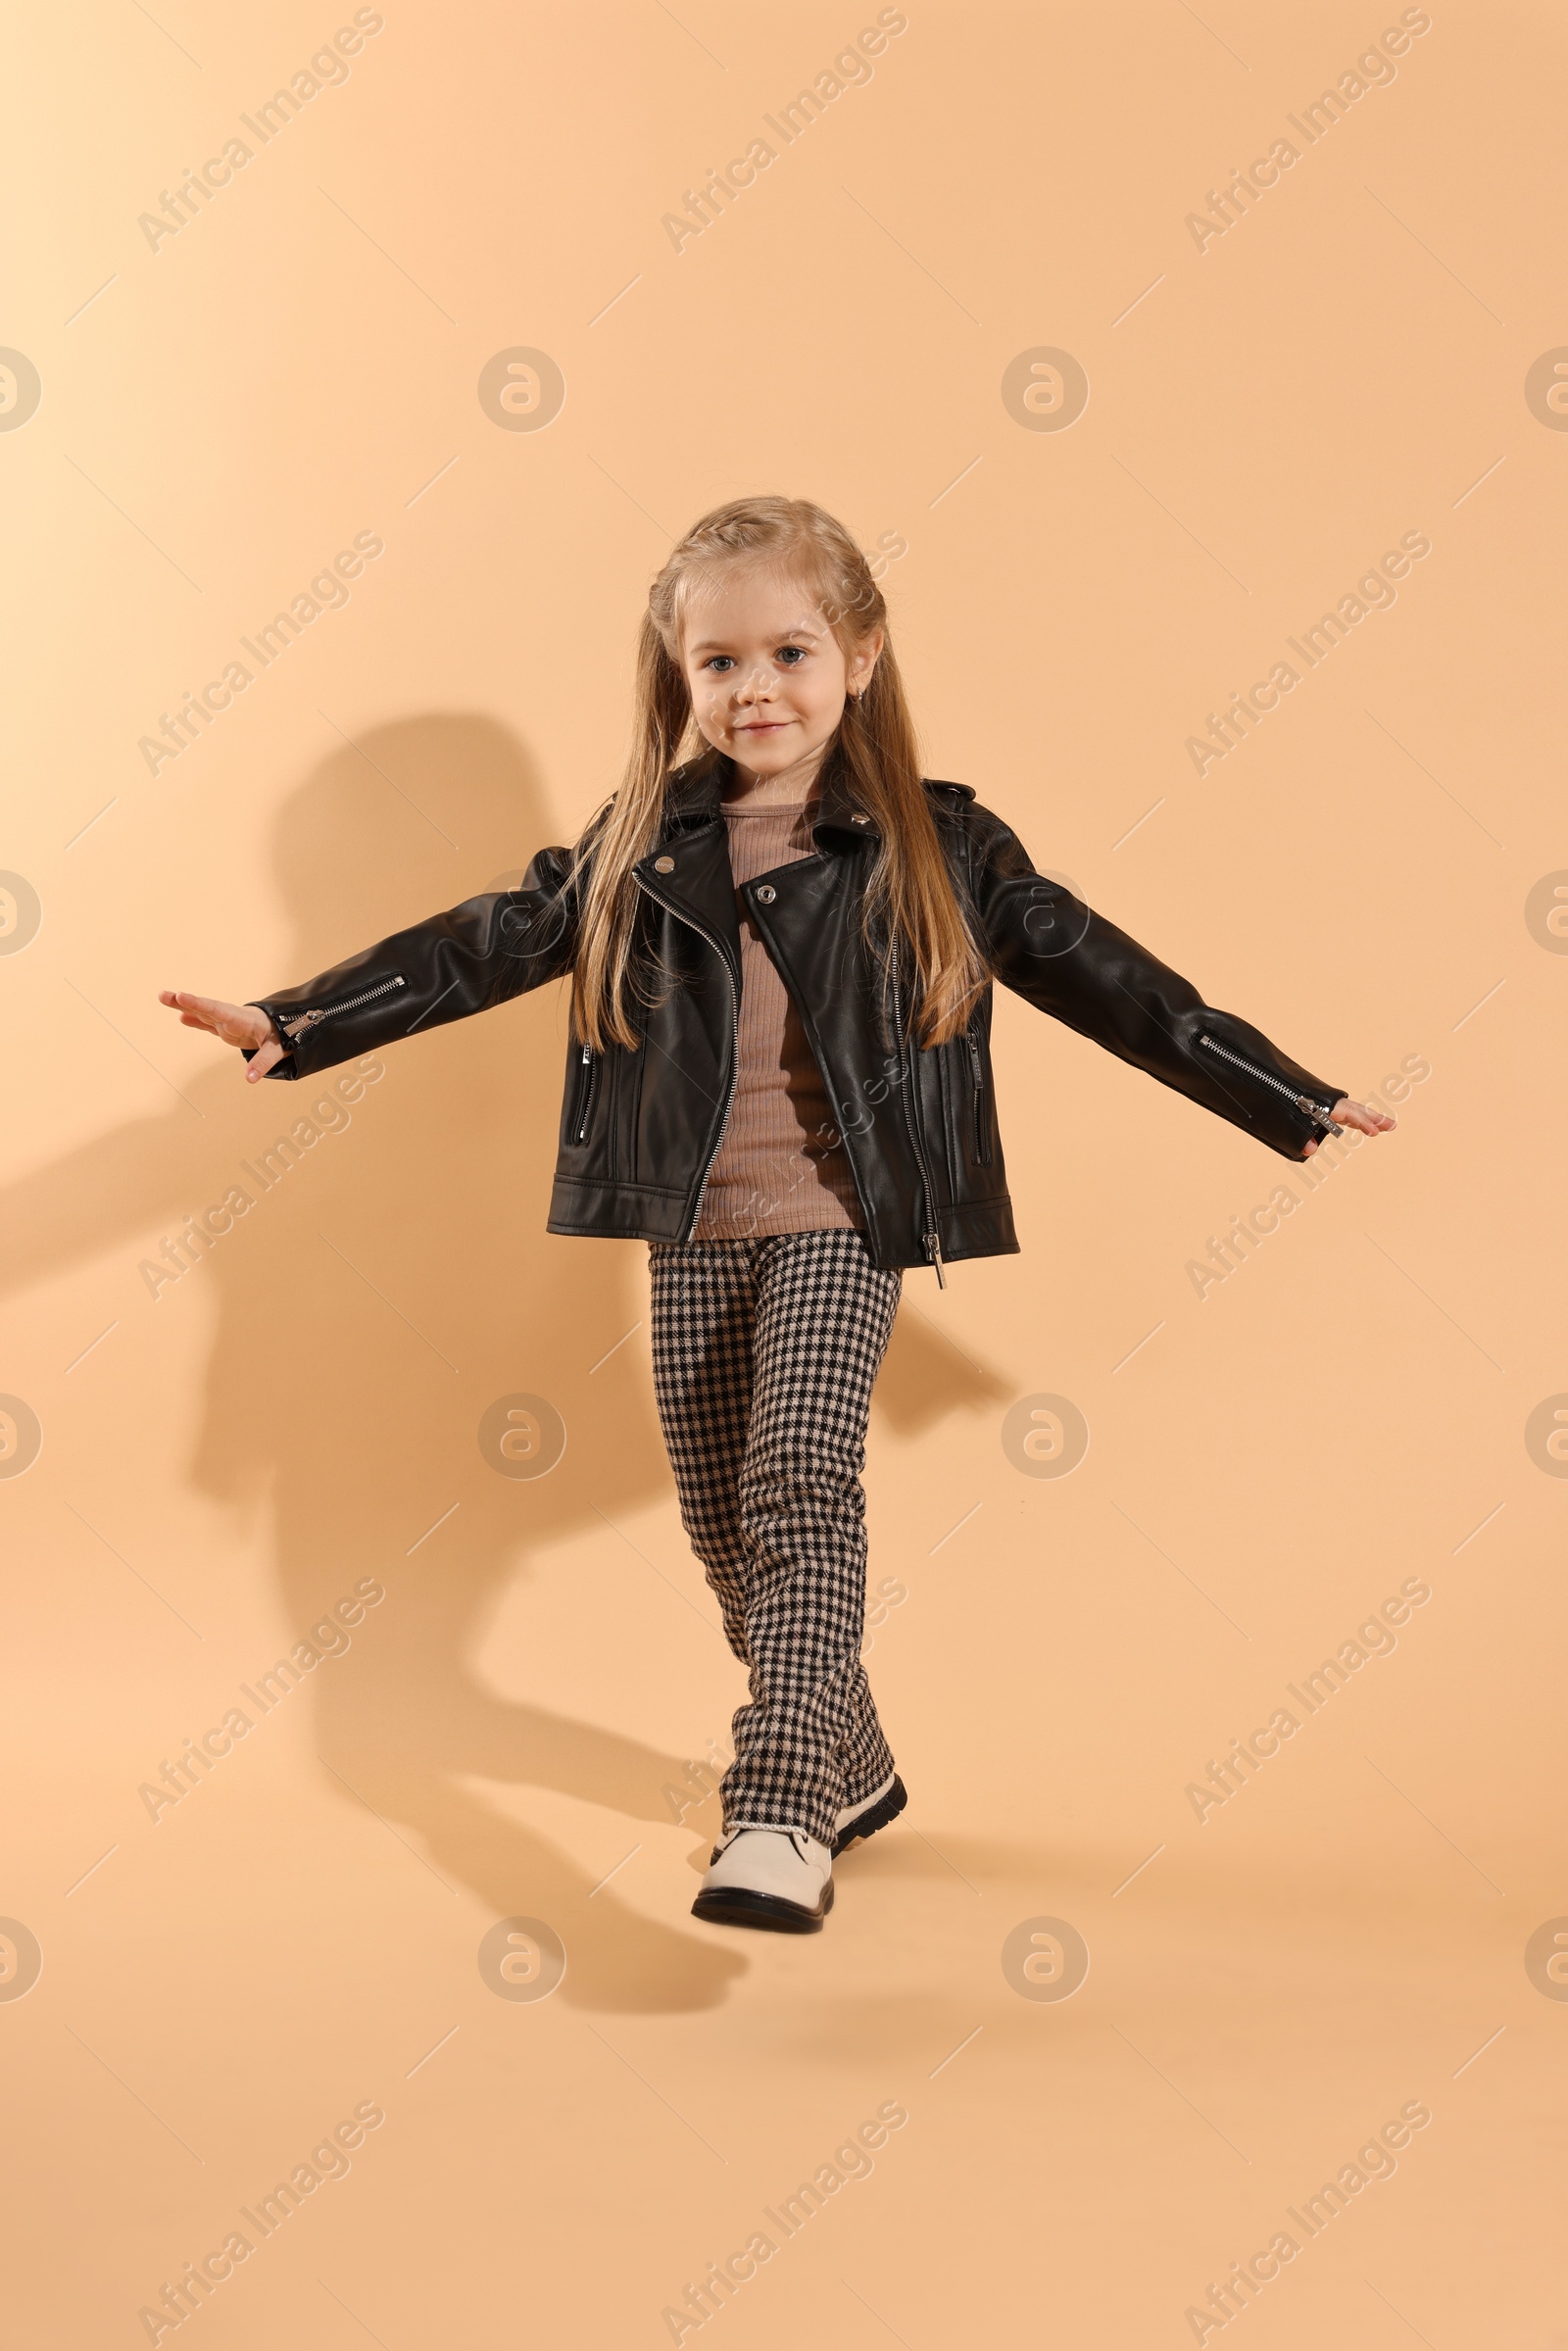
x,y
376,1300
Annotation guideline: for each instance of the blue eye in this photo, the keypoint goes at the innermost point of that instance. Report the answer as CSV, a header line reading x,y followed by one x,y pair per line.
x,y
728,659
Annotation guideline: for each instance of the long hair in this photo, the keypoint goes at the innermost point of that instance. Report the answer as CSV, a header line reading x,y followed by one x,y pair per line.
x,y
909,897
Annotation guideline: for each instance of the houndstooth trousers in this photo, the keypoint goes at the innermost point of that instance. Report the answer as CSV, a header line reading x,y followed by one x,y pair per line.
x,y
765,1355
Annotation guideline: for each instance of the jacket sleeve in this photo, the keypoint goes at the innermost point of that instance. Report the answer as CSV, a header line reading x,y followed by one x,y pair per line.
x,y
479,954
1064,958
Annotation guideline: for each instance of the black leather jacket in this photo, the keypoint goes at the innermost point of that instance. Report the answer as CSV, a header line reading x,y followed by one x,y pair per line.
x,y
640,1129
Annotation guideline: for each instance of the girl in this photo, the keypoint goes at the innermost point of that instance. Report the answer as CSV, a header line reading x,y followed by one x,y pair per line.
x,y
781,952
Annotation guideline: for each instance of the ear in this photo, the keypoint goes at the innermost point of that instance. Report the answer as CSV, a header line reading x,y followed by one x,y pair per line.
x,y
866,656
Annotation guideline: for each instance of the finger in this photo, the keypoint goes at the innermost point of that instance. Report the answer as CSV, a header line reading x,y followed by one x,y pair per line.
x,y
1362,1117
268,1057
236,1024
196,1011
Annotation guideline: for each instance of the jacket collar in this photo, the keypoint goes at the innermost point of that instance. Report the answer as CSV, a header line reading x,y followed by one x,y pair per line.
x,y
690,873
695,794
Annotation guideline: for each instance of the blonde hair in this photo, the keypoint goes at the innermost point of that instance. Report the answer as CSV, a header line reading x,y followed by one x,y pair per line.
x,y
909,894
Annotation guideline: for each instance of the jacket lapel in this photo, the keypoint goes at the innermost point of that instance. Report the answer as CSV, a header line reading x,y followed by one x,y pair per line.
x,y
698,889
840,817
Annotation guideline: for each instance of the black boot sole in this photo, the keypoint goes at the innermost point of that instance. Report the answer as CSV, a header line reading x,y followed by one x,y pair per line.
x,y
740,1907
878,1817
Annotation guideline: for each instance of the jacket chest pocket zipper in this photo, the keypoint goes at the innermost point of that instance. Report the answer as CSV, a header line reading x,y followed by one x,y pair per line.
x,y
586,1071
1322,1112
300,1022
981,1124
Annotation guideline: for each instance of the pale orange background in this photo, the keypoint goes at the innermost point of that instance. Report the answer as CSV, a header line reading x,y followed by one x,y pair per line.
x,y
302,1931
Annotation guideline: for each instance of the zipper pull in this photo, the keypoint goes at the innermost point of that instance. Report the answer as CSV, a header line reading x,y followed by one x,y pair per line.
x,y
1320,1111
297,1027
933,1250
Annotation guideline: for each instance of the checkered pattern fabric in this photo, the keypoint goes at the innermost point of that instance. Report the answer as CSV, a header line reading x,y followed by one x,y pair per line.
x,y
764,1357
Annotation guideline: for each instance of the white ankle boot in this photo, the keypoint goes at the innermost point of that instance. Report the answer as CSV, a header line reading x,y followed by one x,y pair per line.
x,y
873,1813
780,1879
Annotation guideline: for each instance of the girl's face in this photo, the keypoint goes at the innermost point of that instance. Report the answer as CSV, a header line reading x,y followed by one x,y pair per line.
x,y
768,678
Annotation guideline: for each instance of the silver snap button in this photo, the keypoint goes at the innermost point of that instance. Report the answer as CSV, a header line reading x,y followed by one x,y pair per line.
x,y
860,820
766,894
664,864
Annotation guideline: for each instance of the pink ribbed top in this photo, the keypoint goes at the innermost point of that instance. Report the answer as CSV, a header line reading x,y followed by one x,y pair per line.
x,y
781,1167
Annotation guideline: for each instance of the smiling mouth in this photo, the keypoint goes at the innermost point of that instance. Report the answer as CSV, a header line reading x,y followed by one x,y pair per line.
x,y
760,726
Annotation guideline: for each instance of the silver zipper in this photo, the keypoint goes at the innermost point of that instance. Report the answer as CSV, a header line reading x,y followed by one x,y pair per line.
x,y
932,1240
1322,1111
982,1139
310,1020
587,1065
681,915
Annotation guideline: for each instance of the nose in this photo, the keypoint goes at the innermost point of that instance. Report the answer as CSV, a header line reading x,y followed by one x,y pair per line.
x,y
757,687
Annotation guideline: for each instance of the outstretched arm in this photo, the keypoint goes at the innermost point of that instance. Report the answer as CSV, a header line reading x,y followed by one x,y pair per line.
x,y
479,954
1061,956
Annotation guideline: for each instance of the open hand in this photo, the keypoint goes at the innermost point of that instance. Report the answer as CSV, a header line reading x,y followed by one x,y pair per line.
x,y
236,1024
1348,1113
